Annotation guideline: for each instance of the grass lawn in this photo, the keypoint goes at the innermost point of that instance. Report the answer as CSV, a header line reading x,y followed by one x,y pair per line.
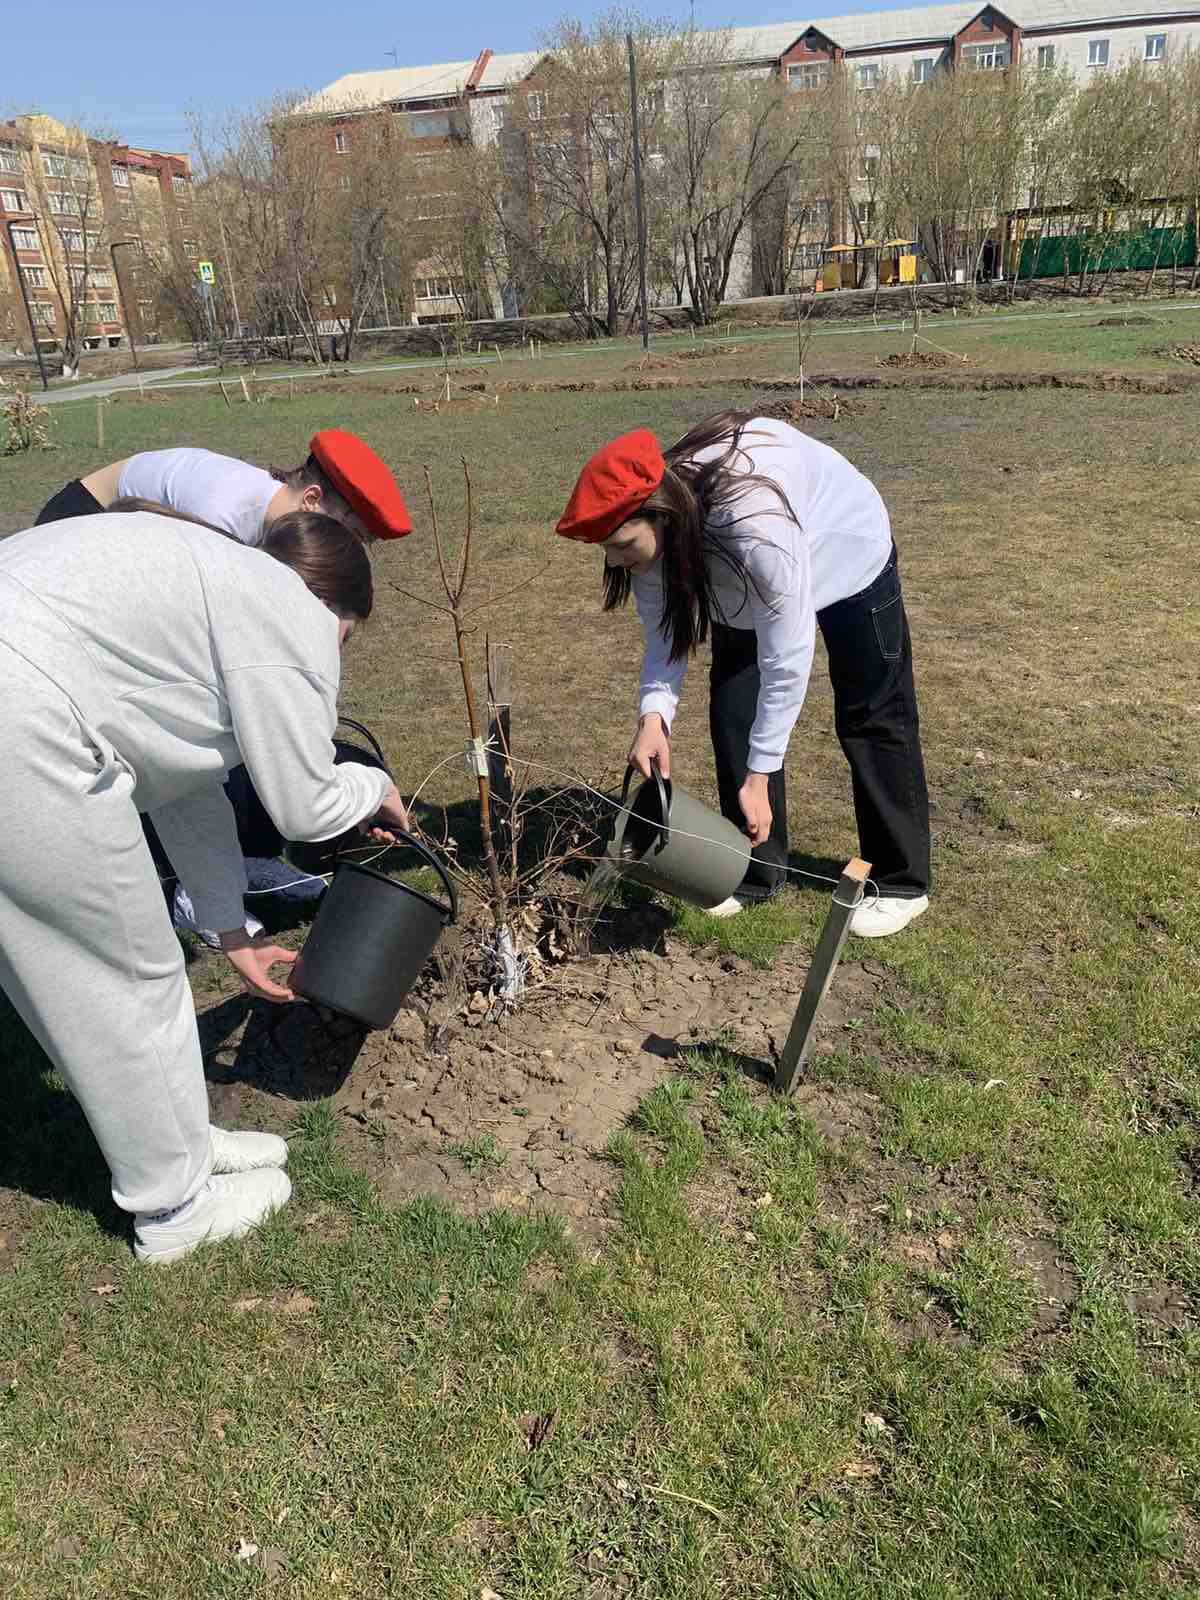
x,y
983,1384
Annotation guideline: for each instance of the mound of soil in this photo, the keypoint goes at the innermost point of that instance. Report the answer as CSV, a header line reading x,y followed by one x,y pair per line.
x,y
650,364
1178,352
705,352
1125,322
920,358
518,1112
819,405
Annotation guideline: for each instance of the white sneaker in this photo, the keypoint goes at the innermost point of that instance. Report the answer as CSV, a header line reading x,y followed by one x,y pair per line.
x,y
184,917
246,1152
226,1208
727,908
888,914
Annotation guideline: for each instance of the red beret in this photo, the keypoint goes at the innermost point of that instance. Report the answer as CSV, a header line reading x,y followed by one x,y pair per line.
x,y
361,478
616,481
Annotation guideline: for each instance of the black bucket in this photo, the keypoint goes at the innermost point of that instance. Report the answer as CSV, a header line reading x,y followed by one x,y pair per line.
x,y
369,941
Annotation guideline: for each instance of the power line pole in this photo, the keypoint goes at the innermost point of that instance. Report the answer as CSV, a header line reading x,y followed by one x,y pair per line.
x,y
639,210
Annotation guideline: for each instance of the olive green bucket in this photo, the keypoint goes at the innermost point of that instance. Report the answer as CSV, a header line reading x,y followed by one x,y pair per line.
x,y
670,842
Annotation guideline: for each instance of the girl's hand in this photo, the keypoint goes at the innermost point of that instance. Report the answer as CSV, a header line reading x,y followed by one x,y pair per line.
x,y
253,963
756,808
652,742
391,814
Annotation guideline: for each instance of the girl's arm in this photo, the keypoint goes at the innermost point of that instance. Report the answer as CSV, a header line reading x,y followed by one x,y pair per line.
x,y
661,679
785,624
283,720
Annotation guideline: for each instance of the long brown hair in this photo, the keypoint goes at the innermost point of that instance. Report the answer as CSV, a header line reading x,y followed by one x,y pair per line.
x,y
320,550
328,557
691,496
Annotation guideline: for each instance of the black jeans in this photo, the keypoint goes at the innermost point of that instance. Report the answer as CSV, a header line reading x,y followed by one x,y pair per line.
x,y
72,500
875,715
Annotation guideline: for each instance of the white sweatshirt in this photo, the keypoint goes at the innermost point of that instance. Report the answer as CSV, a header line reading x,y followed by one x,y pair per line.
x,y
842,544
188,653
221,490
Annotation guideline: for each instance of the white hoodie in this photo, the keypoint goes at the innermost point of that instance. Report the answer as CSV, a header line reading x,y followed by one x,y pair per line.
x,y
187,653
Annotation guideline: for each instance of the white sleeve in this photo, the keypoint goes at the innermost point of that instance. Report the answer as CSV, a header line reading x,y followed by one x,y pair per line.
x,y
199,834
662,679
785,625
283,720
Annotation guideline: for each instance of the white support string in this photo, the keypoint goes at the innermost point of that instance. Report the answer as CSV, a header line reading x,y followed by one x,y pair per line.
x,y
578,782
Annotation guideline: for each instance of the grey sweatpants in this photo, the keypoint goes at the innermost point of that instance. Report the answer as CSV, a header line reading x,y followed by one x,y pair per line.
x,y
87,952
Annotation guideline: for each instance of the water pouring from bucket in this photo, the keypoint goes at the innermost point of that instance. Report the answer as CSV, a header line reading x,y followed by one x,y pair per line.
x,y
370,940
668,841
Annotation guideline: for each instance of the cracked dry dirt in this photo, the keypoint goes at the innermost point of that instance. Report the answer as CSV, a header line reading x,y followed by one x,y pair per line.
x,y
542,1091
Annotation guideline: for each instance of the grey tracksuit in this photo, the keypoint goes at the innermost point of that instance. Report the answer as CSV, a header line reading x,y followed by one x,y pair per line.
x,y
140,658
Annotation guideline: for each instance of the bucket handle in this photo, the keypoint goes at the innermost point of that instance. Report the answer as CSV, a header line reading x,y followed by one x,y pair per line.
x,y
349,722
407,841
664,804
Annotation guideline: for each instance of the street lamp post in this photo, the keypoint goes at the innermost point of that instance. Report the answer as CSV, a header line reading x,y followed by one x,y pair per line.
x,y
37,349
124,244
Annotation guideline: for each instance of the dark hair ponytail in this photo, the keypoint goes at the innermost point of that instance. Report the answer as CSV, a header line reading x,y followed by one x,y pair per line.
x,y
328,557
689,498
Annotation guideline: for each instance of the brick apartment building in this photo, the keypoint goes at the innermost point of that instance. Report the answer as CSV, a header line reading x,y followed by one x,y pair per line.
x,y
469,99
85,222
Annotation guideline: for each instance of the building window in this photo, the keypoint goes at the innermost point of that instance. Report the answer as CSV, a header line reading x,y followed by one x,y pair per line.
x,y
107,310
191,249
1045,57
26,239
42,313
179,183
341,143
329,298
435,288
120,176
35,277
866,215
498,116
808,75
13,200
80,168
868,168
81,277
63,205
10,160
867,75
922,70
1097,52
344,181
808,256
429,125
986,57
1156,46
54,166
535,100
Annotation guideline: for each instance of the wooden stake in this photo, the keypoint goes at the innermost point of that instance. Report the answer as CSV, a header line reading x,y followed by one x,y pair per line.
x,y
245,391
224,394
846,898
291,387
99,424
500,771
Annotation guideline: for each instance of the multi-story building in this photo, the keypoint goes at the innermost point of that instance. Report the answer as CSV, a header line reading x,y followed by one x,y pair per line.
x,y
81,222
471,99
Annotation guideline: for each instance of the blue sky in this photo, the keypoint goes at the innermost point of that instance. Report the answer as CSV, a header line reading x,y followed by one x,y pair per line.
x,y
135,68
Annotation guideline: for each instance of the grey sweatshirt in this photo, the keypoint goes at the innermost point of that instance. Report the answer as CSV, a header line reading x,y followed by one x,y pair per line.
x,y
189,653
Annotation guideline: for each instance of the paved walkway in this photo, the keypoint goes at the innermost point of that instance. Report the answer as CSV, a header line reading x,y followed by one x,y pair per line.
x,y
98,387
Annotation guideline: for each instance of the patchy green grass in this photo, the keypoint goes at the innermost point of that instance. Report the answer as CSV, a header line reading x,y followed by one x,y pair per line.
x,y
950,1351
